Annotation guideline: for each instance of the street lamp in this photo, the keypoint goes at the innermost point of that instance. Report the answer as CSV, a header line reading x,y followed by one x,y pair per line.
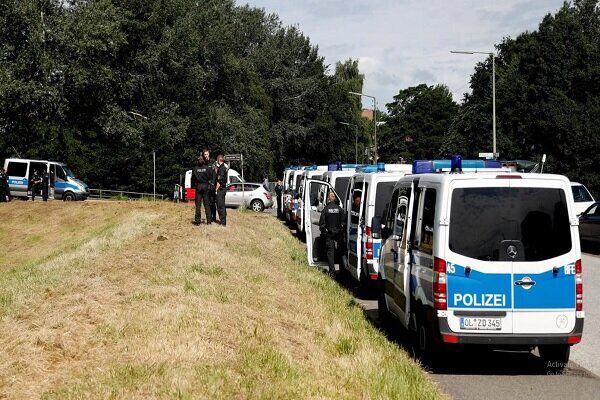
x,y
374,120
355,139
135,114
493,91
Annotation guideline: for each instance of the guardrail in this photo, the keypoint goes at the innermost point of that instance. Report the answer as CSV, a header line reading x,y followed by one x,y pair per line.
x,y
102,194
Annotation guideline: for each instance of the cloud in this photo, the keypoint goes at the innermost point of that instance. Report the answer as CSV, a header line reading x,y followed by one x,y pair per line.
x,y
400,43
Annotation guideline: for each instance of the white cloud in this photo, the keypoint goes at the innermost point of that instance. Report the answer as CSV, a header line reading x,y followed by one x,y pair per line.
x,y
405,42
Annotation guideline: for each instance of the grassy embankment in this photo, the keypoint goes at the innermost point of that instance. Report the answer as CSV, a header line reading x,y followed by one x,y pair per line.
x,y
93,305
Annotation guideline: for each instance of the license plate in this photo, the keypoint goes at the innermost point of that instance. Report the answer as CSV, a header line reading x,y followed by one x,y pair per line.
x,y
481,324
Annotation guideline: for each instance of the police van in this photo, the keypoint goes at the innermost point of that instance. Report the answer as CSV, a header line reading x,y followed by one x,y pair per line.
x,y
290,197
368,192
339,175
312,172
483,258
63,182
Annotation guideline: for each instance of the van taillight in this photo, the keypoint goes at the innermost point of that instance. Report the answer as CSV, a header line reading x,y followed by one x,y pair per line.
x,y
369,248
439,284
578,286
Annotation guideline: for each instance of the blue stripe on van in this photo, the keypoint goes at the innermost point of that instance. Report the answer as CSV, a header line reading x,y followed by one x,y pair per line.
x,y
477,289
551,290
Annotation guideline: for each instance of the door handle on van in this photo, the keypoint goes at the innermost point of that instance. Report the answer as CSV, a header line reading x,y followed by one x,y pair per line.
x,y
527,283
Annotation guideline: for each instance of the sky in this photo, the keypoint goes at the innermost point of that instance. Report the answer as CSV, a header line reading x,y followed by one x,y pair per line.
x,y
400,43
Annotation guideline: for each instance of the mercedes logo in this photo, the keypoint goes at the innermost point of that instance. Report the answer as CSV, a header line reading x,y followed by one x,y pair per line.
x,y
511,251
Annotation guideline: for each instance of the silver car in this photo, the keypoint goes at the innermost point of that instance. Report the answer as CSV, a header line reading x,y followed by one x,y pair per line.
x,y
254,195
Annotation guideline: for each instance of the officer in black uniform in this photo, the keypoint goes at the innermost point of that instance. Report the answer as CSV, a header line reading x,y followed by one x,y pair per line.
x,y
36,181
221,189
331,224
45,185
279,194
212,195
202,178
4,188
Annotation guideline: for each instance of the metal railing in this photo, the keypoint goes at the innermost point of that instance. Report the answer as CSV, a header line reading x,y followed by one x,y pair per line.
x,y
102,194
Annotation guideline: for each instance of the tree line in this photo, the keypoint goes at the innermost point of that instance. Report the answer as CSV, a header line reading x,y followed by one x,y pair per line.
x,y
102,84
547,102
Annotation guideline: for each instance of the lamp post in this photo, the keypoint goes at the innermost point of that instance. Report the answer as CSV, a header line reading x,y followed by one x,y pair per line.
x,y
493,92
135,114
355,139
374,120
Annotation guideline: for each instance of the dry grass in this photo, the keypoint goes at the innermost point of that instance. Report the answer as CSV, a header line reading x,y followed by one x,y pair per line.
x,y
209,313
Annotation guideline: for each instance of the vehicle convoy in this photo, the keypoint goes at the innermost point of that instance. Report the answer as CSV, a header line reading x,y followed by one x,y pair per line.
x,y
62,180
253,195
368,192
583,198
487,258
589,224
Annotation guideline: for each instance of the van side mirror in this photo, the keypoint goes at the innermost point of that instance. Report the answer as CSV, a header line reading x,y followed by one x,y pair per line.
x,y
376,227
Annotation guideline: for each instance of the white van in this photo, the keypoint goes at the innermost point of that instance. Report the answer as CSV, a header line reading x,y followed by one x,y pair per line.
x,y
582,197
62,180
316,173
486,258
368,193
289,198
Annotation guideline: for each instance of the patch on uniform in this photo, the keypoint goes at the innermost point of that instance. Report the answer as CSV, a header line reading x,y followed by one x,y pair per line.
x,y
333,211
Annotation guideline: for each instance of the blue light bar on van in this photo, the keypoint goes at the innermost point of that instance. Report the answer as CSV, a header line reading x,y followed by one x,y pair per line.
x,y
429,166
335,167
311,168
379,167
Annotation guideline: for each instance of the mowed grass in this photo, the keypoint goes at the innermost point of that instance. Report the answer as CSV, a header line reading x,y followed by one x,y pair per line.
x,y
210,312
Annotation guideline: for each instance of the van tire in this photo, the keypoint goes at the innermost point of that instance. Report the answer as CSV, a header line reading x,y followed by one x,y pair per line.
x,y
68,196
555,356
257,205
426,348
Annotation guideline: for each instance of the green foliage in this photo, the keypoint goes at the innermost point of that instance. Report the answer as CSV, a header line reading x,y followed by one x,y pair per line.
x,y
210,73
547,97
417,124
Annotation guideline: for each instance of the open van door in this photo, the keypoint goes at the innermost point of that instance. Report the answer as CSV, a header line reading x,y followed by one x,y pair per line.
x,y
315,244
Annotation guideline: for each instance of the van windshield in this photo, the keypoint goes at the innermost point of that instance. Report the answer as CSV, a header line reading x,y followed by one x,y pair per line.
x,y
68,172
482,218
581,194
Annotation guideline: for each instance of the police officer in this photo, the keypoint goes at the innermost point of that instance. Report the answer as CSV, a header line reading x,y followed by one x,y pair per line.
x,y
4,188
45,185
202,178
36,181
221,189
331,224
212,195
279,194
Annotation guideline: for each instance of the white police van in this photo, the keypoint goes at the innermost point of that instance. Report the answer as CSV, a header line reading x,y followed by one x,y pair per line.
x,y
290,196
62,181
369,191
483,258
312,172
338,175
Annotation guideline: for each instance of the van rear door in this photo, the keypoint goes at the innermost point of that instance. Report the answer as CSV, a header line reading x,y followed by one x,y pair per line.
x,y
544,274
479,270
315,244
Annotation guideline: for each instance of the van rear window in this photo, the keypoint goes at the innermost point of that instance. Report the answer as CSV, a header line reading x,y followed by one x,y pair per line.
x,y
16,169
482,218
383,196
341,186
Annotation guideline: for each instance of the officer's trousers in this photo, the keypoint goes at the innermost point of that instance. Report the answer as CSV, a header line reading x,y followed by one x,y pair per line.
x,y
331,244
202,197
221,206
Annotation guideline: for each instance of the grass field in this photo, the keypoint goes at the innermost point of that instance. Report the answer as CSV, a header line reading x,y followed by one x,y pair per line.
x,y
94,305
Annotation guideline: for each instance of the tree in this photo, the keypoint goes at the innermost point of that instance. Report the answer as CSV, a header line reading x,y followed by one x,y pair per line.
x,y
417,123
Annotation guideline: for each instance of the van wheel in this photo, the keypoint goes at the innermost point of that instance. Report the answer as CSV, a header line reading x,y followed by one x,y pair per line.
x,y
426,349
555,357
68,196
257,206
385,316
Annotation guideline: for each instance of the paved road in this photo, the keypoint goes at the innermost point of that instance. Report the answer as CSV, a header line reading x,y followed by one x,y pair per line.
x,y
510,375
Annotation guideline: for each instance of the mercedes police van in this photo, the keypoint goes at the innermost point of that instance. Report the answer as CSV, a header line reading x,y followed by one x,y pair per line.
x,y
62,181
483,258
368,192
312,172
